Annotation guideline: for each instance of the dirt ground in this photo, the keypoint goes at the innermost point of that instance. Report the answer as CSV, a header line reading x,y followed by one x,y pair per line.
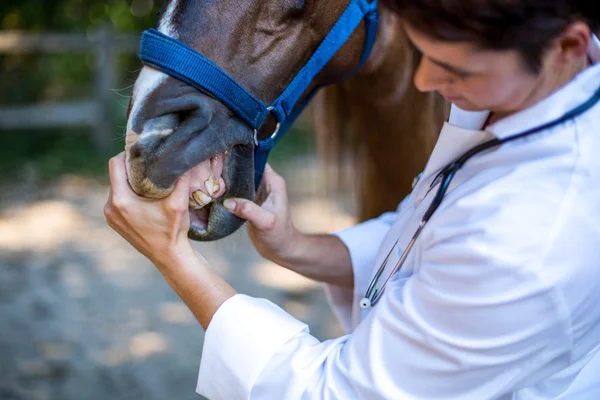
x,y
84,316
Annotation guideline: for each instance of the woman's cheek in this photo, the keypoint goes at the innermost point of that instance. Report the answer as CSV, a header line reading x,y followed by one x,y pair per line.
x,y
489,95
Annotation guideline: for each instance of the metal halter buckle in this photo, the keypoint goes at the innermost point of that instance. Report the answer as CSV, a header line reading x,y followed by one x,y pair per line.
x,y
275,133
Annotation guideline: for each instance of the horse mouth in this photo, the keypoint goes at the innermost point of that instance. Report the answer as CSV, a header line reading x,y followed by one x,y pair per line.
x,y
225,175
199,220
208,190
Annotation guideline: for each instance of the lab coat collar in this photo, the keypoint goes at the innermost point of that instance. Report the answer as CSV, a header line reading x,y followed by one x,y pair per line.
x,y
594,50
575,93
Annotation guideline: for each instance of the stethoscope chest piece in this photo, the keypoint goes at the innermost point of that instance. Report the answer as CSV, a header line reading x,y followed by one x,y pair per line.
x,y
365,303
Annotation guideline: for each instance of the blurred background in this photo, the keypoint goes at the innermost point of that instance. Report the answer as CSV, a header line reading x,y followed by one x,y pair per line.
x,y
82,315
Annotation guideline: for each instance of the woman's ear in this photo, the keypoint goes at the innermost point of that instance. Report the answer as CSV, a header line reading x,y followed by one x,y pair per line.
x,y
574,42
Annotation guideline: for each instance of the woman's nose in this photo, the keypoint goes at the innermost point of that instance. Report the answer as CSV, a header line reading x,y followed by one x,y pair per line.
x,y
430,77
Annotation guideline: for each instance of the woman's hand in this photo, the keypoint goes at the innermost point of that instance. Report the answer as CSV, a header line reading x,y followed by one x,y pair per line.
x,y
156,228
323,257
269,225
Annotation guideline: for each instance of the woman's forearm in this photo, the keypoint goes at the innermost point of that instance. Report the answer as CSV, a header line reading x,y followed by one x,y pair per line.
x,y
201,289
323,258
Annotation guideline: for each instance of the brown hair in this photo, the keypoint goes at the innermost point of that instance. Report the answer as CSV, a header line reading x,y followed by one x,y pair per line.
x,y
528,26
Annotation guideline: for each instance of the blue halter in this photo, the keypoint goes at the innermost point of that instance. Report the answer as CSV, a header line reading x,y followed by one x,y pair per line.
x,y
186,64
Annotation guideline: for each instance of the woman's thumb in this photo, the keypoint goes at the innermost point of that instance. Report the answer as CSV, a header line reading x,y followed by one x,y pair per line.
x,y
260,218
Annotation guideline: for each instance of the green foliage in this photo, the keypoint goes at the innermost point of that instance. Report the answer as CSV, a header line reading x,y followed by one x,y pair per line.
x,y
77,15
45,155
42,78
299,140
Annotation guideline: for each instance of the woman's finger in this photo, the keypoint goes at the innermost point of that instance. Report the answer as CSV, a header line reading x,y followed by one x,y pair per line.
x,y
108,205
265,187
178,199
276,187
259,217
118,174
269,170
272,178
182,186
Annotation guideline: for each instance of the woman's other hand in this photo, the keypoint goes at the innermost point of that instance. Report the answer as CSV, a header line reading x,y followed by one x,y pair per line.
x,y
269,224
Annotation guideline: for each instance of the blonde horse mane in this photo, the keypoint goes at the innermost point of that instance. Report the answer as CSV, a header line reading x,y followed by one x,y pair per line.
x,y
375,131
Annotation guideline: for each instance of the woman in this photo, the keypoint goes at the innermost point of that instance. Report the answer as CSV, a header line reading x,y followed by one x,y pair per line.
x,y
497,298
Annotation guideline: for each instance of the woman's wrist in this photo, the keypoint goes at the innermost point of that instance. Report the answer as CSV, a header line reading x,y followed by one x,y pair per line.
x,y
175,257
321,257
295,252
200,288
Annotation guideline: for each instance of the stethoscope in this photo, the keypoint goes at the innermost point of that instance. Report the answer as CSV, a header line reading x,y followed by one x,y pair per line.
x,y
445,176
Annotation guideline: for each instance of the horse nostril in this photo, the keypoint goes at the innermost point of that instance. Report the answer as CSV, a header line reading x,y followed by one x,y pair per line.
x,y
146,146
185,116
193,108
137,150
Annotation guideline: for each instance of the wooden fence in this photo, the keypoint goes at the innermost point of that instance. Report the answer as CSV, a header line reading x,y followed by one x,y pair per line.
x,y
106,44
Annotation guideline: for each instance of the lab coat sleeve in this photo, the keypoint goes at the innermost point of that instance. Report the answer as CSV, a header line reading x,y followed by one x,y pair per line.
x,y
362,242
469,325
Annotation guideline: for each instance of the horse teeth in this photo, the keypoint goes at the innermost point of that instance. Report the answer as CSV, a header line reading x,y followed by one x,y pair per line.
x,y
202,198
219,183
194,205
209,184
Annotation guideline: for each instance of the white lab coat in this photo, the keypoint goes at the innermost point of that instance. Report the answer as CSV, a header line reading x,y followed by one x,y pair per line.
x,y
499,298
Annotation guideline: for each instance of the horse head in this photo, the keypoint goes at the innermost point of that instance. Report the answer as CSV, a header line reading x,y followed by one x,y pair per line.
x,y
174,128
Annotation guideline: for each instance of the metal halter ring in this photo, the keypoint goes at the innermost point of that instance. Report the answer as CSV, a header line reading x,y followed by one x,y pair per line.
x,y
273,136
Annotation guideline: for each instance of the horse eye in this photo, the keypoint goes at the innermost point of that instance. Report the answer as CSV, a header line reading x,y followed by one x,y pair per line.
x,y
296,8
299,4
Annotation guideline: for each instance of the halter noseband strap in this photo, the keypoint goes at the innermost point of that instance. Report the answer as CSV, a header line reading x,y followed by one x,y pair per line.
x,y
186,64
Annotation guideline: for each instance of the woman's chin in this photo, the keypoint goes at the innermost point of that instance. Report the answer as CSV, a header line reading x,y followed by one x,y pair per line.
x,y
464,104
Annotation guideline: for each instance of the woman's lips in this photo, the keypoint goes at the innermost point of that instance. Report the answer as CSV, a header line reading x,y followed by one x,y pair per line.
x,y
452,99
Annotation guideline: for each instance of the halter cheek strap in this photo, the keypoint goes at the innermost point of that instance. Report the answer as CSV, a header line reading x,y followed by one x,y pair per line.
x,y
186,64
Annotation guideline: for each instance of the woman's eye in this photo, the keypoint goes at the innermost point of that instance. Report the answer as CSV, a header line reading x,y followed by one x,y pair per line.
x,y
462,74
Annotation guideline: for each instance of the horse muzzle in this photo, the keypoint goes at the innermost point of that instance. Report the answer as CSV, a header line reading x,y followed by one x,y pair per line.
x,y
215,149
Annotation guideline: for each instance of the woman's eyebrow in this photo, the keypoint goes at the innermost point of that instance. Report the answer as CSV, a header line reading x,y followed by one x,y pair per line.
x,y
449,67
